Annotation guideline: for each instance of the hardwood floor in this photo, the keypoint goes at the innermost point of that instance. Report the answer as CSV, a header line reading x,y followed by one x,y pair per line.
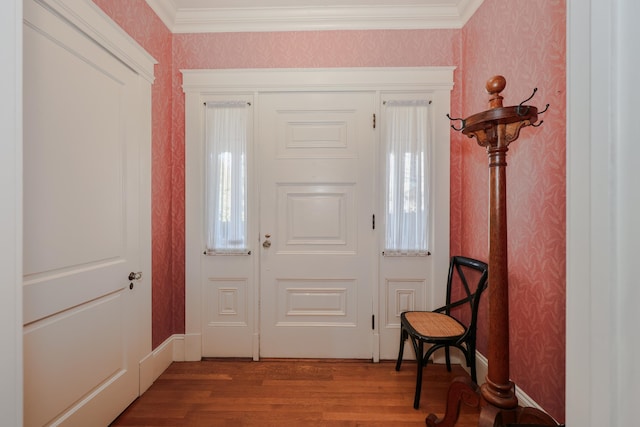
x,y
292,393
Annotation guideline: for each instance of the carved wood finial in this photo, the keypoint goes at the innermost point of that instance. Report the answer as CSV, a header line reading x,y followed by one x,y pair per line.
x,y
495,85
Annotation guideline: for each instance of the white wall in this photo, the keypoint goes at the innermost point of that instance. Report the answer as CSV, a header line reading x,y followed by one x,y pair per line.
x,y
603,213
11,213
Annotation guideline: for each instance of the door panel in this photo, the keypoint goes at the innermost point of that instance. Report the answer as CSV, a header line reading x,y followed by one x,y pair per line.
x,y
316,204
82,235
49,363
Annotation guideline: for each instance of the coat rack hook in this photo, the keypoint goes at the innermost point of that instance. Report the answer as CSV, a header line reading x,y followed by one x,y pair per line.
x,y
463,121
518,112
537,125
545,109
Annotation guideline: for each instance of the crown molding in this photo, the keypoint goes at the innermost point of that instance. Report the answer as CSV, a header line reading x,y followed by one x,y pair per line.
x,y
272,19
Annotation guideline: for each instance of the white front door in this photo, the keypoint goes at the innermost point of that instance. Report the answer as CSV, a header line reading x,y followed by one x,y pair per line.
x,y
312,287
316,158
87,324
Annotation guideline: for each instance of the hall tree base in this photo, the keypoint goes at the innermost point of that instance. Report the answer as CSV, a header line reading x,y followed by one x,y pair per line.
x,y
464,391
495,129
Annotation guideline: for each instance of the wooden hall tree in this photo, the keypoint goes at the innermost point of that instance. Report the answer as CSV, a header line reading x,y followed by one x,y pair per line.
x,y
495,129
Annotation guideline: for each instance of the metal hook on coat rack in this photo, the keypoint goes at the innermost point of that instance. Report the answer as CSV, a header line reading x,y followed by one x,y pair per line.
x,y
463,121
526,111
518,109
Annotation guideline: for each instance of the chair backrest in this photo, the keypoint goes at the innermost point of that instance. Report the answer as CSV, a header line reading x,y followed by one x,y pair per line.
x,y
466,281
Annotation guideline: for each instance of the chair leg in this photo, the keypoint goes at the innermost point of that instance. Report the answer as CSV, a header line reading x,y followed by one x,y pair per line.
x,y
403,338
419,363
471,362
447,358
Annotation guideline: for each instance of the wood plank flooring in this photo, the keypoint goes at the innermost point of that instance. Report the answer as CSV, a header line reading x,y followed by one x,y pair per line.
x,y
293,393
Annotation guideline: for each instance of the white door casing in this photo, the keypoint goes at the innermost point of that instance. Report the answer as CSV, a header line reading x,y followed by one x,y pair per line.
x,y
87,212
200,85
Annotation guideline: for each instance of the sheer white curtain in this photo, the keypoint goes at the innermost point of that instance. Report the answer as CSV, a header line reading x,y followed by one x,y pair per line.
x,y
407,139
226,177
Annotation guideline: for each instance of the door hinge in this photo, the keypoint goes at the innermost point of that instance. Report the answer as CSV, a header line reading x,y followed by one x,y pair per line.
x,y
374,120
373,321
373,221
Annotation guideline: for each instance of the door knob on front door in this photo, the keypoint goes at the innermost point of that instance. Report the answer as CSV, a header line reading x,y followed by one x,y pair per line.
x,y
267,243
135,276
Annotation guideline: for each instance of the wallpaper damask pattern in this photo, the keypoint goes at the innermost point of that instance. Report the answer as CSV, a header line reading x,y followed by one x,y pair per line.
x,y
524,40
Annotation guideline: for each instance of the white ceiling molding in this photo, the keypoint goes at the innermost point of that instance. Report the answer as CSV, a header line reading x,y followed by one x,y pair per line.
x,y
200,16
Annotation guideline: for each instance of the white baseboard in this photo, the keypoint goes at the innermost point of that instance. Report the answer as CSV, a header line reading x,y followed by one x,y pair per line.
x,y
179,348
156,362
482,368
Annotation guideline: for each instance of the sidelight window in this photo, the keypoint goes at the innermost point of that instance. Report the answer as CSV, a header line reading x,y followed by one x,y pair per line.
x,y
406,141
226,177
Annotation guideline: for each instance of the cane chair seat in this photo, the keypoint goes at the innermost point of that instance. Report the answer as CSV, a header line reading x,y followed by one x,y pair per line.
x,y
430,325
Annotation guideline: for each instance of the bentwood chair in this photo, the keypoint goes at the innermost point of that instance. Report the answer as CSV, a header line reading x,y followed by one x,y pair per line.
x,y
452,325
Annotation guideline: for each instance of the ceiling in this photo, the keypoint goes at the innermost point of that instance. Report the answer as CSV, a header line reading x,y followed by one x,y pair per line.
x,y
204,16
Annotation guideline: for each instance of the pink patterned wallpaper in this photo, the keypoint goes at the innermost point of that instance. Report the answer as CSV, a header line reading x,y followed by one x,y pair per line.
x,y
521,39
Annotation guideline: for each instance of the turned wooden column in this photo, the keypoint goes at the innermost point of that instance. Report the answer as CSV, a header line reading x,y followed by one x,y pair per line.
x,y
498,389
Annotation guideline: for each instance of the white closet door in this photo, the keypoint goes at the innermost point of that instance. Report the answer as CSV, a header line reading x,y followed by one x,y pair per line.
x,y
86,322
